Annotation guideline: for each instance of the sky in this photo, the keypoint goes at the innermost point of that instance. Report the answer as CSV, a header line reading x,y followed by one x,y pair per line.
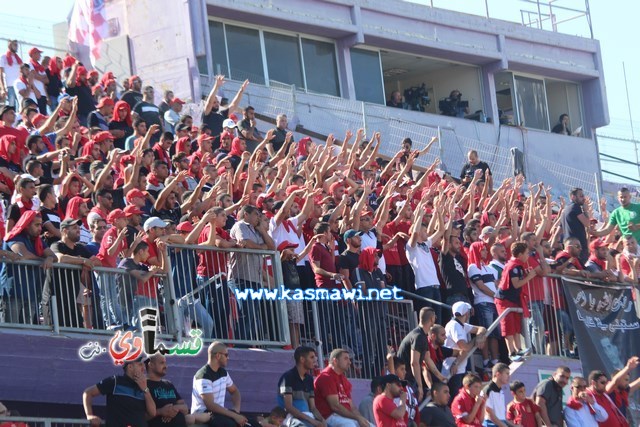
x,y
610,22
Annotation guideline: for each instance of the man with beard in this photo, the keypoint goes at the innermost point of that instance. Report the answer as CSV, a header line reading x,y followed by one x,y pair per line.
x,y
575,222
149,112
103,206
214,115
77,85
133,95
74,284
40,78
385,410
171,409
24,87
9,71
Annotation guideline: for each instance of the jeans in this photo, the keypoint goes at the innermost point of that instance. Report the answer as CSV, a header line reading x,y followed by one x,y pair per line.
x,y
54,103
192,308
109,300
12,99
139,302
18,310
536,326
431,292
336,420
487,313
216,301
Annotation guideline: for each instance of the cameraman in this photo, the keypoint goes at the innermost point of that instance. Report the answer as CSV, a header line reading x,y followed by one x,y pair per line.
x,y
452,108
396,100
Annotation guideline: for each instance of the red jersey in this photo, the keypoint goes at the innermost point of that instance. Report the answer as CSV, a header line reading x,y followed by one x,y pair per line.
x,y
534,290
107,240
523,413
210,262
462,406
616,419
382,409
150,287
322,255
391,255
329,383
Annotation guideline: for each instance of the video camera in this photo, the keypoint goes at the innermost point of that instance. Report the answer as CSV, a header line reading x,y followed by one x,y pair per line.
x,y
450,106
416,97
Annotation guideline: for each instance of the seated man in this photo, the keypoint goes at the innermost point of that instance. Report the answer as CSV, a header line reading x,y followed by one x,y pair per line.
x,y
295,391
437,412
210,385
387,413
333,392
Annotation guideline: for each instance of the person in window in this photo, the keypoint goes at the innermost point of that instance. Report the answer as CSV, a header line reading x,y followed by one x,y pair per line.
x,y
454,109
563,125
395,100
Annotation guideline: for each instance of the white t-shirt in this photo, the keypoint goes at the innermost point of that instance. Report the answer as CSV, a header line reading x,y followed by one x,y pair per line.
x,y
11,72
18,85
457,332
369,240
39,85
207,381
488,275
497,399
279,234
422,264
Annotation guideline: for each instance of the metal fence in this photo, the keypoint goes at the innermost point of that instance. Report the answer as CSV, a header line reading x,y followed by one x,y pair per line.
x,y
42,422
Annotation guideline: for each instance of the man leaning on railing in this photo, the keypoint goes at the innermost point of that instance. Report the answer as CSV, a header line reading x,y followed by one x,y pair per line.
x,y
22,285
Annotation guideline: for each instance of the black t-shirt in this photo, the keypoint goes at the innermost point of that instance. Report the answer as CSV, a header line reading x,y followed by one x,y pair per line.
x,y
299,388
14,212
123,126
11,166
512,293
214,120
468,170
125,402
454,274
70,276
150,114
126,283
571,225
165,393
437,416
118,198
172,214
290,275
131,97
280,136
86,103
349,260
415,340
55,84
52,216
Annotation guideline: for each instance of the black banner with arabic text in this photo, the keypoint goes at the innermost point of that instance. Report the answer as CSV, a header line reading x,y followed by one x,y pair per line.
x,y
607,328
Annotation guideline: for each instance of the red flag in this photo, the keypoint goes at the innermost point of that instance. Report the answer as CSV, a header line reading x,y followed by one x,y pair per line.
x,y
88,25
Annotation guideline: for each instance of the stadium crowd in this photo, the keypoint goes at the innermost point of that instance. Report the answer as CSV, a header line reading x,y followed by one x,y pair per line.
x,y
96,175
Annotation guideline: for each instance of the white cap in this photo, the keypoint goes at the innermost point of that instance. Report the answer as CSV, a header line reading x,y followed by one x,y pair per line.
x,y
228,123
460,308
154,221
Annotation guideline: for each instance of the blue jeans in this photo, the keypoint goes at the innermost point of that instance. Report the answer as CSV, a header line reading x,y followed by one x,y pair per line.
x,y
486,314
431,292
536,326
109,300
12,99
216,301
193,309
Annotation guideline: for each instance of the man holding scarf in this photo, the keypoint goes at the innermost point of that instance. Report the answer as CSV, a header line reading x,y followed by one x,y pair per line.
x,y
582,410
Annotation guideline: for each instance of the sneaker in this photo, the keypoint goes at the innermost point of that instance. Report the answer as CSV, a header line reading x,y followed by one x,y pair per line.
x,y
487,365
515,357
524,352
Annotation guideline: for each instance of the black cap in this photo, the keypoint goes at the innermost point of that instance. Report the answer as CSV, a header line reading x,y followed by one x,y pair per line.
x,y
128,362
390,379
69,222
26,103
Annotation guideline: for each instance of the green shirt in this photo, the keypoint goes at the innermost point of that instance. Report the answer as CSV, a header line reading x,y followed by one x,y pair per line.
x,y
621,217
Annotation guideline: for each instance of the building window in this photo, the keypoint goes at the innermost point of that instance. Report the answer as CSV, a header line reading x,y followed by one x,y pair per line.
x,y
245,54
532,103
218,49
283,59
367,76
320,67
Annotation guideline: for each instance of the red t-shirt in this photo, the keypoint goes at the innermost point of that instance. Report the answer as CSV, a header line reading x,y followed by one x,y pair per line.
x,y
534,290
321,255
523,413
329,383
616,419
462,406
382,409
391,255
210,262
107,240
150,287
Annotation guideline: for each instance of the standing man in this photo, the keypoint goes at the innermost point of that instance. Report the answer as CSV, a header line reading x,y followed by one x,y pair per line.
x,y
40,78
548,396
280,135
149,112
9,72
575,222
582,410
211,384
413,349
295,390
247,129
214,115
129,402
132,95
333,393
473,164
598,391
101,116
497,395
626,217
385,411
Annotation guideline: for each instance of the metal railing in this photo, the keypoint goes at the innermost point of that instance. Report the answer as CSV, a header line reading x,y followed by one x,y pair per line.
x,y
43,422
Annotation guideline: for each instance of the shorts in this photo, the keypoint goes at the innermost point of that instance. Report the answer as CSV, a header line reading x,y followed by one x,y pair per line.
x,y
511,324
486,313
295,310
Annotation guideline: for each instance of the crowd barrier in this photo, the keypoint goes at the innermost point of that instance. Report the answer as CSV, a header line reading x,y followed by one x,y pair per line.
x,y
42,422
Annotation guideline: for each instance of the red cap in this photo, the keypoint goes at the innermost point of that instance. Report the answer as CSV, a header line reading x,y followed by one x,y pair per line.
x,y
105,101
131,79
305,139
102,136
185,226
177,101
132,210
132,194
366,212
290,189
333,187
204,137
286,245
34,50
597,244
37,118
93,73
114,215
